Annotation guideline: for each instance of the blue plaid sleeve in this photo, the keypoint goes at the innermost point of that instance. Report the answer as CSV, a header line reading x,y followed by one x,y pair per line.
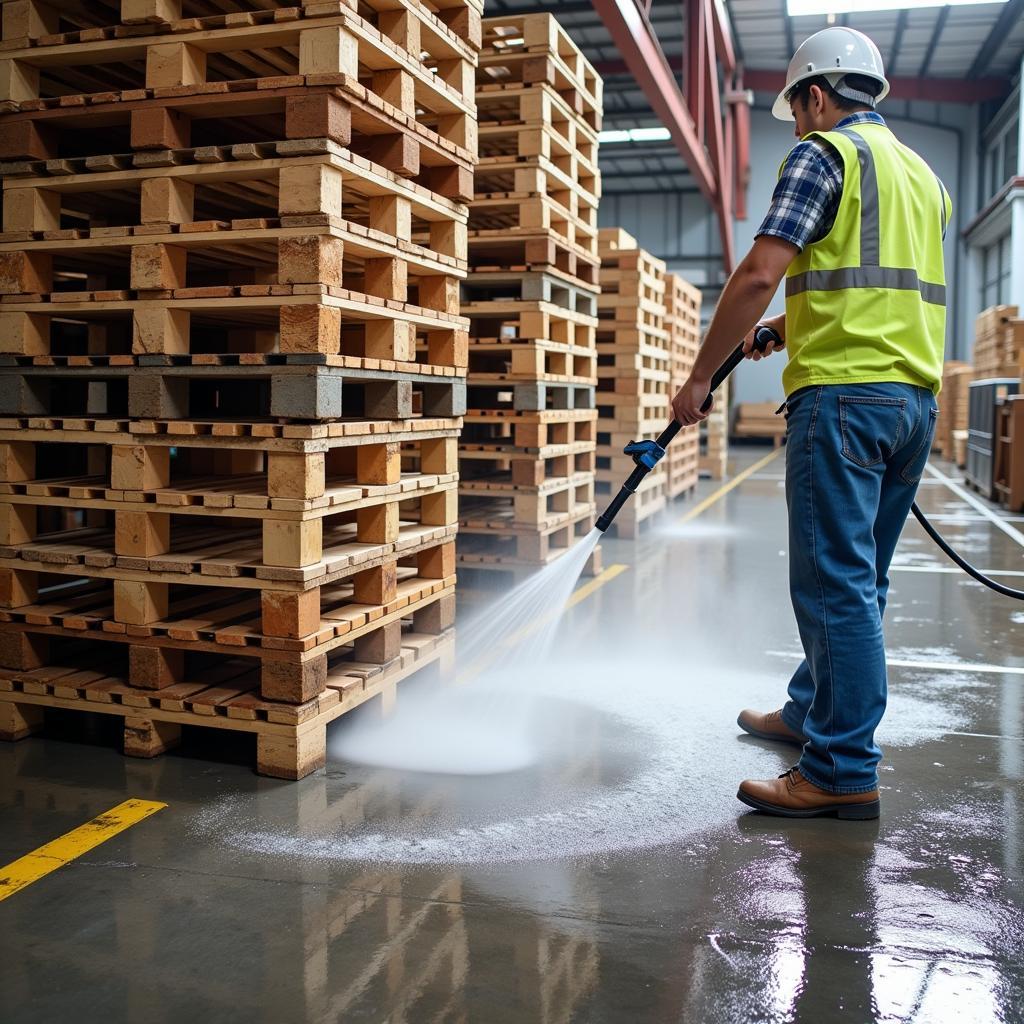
x,y
806,197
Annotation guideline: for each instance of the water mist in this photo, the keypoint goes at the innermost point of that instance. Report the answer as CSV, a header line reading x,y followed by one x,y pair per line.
x,y
479,722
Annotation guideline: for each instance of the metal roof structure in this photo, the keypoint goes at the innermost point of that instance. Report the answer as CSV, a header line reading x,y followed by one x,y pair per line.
x,y
947,54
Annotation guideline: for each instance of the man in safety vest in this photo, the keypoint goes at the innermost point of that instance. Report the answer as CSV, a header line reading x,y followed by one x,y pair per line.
x,y
856,226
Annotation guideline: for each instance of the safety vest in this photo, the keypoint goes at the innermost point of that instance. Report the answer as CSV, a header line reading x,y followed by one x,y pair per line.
x,y
867,303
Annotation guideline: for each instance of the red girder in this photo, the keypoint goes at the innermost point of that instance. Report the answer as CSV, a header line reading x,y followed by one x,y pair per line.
x,y
688,122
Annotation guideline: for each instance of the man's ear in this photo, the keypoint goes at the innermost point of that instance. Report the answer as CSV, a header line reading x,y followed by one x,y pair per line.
x,y
818,97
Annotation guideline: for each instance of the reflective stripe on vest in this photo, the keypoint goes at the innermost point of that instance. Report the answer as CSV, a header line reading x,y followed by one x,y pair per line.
x,y
866,302
869,274
866,277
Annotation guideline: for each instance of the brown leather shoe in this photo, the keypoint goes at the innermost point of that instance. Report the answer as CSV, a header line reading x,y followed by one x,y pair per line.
x,y
769,727
793,796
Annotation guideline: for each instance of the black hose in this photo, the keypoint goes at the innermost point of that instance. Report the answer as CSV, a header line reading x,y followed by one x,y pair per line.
x,y
962,562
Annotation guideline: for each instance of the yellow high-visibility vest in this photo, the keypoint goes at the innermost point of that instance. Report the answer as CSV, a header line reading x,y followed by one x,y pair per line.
x,y
867,303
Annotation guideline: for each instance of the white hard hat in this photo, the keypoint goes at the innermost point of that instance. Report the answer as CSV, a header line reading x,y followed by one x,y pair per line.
x,y
833,52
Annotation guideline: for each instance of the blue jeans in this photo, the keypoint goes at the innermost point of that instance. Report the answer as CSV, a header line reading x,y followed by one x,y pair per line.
x,y
854,456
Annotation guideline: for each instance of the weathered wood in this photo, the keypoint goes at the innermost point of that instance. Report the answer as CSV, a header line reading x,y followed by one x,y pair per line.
x,y
144,737
291,756
293,682
19,720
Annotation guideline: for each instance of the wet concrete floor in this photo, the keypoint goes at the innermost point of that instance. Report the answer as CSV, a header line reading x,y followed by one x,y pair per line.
x,y
616,880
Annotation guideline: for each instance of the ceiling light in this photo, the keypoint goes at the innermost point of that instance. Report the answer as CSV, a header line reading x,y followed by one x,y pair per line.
x,y
635,135
796,8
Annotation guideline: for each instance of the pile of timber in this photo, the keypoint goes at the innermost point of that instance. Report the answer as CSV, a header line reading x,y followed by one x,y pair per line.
x,y
998,343
951,425
232,364
682,322
526,489
633,369
761,420
714,437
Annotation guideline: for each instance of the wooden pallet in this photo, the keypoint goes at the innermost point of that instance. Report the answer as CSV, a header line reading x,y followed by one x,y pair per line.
x,y
291,740
57,23
162,121
503,543
714,437
550,286
567,183
264,435
531,249
293,390
634,371
534,120
485,500
682,323
759,420
261,49
539,435
534,48
296,485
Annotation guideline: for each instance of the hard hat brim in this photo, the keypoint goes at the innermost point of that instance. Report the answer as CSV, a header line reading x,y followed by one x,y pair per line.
x,y
781,108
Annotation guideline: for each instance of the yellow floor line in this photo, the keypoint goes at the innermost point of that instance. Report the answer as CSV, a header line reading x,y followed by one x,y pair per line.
x,y
722,491
598,581
39,863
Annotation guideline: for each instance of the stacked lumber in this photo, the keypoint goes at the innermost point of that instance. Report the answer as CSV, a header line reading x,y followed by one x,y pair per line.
x,y
526,489
232,365
759,419
951,424
633,369
998,343
682,322
714,437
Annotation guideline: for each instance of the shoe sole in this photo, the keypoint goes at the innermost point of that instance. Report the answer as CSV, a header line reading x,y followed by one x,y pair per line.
x,y
848,812
771,736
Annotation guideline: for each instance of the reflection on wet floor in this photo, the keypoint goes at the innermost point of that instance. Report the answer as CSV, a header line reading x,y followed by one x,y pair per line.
x,y
616,878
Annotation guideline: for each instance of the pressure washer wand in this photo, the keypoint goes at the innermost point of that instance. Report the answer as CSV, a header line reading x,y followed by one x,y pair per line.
x,y
647,454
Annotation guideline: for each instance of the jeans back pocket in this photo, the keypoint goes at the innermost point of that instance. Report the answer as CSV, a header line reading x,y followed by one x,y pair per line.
x,y
911,473
870,427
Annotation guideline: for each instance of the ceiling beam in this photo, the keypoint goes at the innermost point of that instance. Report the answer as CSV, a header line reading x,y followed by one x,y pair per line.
x,y
644,59
939,90
897,41
1008,17
940,24
723,36
632,33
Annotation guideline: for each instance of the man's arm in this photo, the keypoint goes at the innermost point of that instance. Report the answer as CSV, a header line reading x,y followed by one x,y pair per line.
x,y
743,301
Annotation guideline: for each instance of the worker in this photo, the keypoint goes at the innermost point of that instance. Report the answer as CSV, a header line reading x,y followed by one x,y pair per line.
x,y
856,226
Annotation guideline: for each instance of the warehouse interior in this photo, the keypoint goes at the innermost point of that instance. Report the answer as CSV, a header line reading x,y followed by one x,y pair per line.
x,y
339,680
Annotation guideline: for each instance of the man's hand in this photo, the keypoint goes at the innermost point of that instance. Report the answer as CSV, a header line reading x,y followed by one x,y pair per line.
x,y
748,342
690,397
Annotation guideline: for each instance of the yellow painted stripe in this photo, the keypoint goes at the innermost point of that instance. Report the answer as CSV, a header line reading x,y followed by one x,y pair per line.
x,y
41,862
722,491
598,581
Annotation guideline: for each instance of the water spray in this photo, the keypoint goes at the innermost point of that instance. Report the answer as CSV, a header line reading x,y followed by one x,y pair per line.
x,y
647,454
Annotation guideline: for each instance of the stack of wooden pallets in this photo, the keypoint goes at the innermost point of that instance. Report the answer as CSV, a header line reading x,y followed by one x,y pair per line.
x,y
998,343
634,368
232,364
714,436
951,425
760,420
527,452
682,322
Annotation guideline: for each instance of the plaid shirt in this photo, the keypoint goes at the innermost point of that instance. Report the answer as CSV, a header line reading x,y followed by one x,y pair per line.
x,y
806,198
